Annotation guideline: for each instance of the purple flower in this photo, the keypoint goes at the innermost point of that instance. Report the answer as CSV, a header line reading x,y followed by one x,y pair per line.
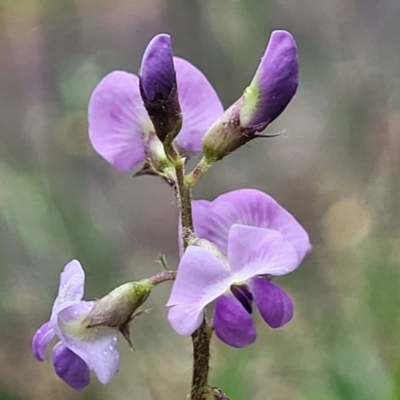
x,y
254,237
80,349
273,86
121,130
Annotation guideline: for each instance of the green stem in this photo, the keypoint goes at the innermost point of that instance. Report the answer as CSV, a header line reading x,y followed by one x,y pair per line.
x,y
201,168
202,336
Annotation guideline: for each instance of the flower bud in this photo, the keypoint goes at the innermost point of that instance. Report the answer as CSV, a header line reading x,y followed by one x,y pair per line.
x,y
158,88
273,86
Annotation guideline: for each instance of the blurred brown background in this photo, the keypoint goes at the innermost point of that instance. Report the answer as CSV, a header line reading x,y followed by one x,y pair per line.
x,y
336,168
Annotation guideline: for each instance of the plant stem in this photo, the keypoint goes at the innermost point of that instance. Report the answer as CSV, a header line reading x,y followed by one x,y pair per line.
x,y
162,277
201,168
202,336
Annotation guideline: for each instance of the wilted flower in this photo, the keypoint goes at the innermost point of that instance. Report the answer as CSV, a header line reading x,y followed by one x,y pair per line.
x,y
87,330
255,238
273,86
121,130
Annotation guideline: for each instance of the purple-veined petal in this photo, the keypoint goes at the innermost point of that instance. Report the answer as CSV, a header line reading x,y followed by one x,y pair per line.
x,y
157,68
69,367
118,122
185,319
271,255
41,340
213,219
232,323
274,84
199,103
72,285
274,305
201,278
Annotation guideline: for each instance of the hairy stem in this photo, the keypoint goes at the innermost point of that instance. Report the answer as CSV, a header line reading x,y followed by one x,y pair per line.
x,y
201,337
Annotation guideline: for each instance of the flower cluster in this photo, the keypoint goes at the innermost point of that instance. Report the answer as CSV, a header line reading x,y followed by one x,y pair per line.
x,y
236,245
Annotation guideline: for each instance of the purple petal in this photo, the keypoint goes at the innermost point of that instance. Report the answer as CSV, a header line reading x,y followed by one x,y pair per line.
x,y
201,278
274,305
96,346
232,323
72,285
185,319
213,220
41,340
243,240
69,367
157,67
99,350
268,253
274,83
118,122
70,318
199,103
75,312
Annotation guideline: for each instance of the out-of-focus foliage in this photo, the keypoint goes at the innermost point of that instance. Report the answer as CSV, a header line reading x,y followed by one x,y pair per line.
x,y
335,167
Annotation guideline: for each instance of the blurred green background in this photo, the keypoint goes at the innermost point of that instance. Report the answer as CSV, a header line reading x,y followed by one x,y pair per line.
x,y
335,167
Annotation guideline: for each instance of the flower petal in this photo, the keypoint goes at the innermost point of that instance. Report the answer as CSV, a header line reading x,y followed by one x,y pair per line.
x,y
99,350
274,305
201,278
41,340
72,285
118,121
69,367
157,68
199,103
269,253
213,220
274,83
185,319
243,240
232,323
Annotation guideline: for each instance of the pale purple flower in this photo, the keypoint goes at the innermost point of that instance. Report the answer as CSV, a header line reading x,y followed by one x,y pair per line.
x,y
120,129
80,349
255,238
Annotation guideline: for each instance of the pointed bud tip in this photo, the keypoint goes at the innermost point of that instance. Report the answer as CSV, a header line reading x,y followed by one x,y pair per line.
x,y
274,84
157,68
